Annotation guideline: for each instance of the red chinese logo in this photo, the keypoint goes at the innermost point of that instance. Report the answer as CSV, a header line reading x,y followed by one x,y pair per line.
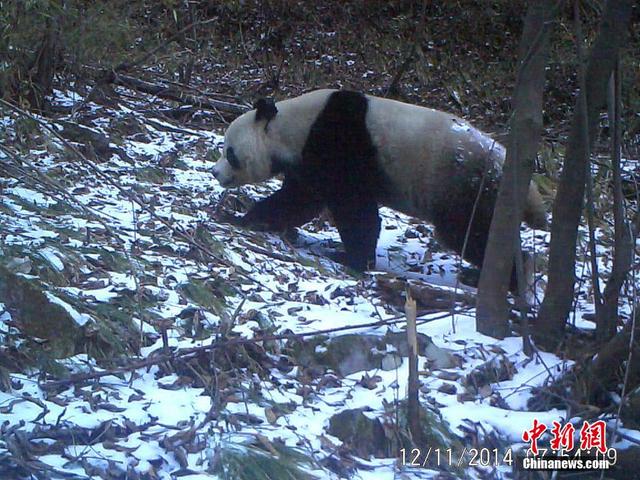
x,y
593,435
562,437
532,435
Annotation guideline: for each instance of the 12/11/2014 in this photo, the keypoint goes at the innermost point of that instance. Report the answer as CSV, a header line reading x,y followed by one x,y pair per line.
x,y
468,457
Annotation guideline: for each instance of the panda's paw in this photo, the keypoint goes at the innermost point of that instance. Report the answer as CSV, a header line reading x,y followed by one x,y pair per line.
x,y
336,256
354,268
226,217
256,224
256,220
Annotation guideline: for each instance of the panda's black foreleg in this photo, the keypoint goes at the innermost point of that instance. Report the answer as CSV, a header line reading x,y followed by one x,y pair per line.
x,y
291,206
358,223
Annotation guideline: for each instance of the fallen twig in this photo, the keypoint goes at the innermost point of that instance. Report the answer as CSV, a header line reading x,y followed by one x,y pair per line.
x,y
187,352
177,95
192,351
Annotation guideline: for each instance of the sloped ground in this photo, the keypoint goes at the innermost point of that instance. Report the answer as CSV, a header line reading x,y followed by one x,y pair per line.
x,y
117,253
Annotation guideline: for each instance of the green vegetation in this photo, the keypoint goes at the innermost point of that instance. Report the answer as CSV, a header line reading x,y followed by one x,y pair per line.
x,y
262,461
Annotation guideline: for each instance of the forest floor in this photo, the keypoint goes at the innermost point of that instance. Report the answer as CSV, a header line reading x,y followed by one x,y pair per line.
x,y
112,214
143,337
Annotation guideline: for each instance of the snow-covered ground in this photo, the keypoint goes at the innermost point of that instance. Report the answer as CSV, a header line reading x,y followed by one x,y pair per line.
x,y
157,423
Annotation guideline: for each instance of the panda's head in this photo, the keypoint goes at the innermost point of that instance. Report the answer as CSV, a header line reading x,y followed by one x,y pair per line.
x,y
249,147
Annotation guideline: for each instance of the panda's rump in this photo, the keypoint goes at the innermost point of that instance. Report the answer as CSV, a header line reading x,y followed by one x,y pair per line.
x,y
428,156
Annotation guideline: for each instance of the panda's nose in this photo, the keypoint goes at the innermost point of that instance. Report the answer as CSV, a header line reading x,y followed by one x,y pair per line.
x,y
219,175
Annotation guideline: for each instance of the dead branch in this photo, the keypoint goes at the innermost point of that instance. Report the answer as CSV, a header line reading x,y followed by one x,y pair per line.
x,y
412,51
125,66
606,367
267,253
178,95
429,297
186,353
413,403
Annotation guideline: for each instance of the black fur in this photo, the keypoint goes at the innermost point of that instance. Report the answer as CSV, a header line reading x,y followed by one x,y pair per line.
x,y
453,207
265,109
291,206
278,166
233,159
338,170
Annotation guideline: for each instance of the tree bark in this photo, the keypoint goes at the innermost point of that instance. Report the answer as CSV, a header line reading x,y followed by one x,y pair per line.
x,y
624,234
607,367
44,67
569,199
524,138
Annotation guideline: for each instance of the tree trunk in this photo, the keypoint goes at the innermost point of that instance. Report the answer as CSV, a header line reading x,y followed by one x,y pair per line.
x,y
569,199
607,369
44,66
624,234
524,138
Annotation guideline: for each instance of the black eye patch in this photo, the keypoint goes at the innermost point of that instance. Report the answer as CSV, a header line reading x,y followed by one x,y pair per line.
x,y
233,159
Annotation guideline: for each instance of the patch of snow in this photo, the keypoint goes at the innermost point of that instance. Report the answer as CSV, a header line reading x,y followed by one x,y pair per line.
x,y
79,318
52,256
37,198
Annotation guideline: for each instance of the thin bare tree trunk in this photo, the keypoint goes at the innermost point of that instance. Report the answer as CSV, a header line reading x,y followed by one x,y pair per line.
x,y
590,205
44,66
524,138
603,374
623,235
569,199
413,402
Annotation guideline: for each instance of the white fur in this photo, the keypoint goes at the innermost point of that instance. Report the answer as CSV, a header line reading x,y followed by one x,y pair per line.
x,y
285,138
415,147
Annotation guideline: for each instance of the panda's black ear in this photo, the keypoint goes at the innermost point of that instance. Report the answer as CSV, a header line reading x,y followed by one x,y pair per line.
x,y
265,109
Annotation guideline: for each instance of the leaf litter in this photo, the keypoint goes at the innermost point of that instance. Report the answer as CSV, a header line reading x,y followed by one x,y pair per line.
x,y
132,249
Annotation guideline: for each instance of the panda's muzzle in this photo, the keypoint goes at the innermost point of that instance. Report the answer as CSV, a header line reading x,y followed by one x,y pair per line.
x,y
223,180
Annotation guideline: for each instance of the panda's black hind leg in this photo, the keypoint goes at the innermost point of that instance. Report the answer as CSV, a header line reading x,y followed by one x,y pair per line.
x,y
451,216
291,206
358,223
451,230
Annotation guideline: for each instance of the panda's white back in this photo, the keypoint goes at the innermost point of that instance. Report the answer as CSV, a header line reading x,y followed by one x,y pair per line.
x,y
416,149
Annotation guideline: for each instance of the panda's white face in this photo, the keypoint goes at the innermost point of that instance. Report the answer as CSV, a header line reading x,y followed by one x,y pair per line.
x,y
255,140
245,157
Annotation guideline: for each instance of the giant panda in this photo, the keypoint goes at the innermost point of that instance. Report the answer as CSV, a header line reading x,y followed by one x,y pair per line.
x,y
351,152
